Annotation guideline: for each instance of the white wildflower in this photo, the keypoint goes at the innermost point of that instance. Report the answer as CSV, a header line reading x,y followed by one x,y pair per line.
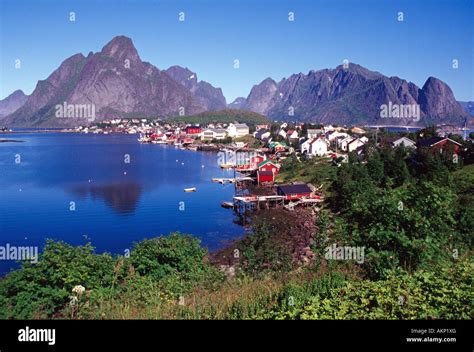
x,y
78,290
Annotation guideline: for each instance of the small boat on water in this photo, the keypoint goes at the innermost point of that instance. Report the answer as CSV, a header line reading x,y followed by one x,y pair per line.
x,y
227,165
227,204
192,189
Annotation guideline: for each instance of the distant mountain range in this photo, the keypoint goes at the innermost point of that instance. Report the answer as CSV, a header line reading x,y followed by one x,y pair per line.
x,y
117,83
352,95
12,103
468,106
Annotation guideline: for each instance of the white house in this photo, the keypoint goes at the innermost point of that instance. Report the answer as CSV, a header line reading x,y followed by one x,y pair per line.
x,y
236,130
335,134
406,142
282,133
342,142
354,144
315,146
213,133
292,134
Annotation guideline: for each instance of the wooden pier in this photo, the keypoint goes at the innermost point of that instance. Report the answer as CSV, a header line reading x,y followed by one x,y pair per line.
x,y
223,180
253,202
244,203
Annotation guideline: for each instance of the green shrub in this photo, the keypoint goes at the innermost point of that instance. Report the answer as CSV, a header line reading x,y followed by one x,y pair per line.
x,y
177,261
446,294
43,289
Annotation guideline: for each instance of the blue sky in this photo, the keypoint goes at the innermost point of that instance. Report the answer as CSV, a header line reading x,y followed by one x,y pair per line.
x,y
256,32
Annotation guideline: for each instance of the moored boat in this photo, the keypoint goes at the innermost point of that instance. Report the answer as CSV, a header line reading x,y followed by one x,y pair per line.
x,y
191,189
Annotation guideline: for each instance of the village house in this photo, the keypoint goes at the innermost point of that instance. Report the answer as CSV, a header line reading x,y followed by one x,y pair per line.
x,y
394,141
265,177
262,134
336,134
213,133
277,146
315,146
297,191
269,165
193,131
282,133
440,144
236,130
257,159
343,141
354,144
292,135
250,164
406,142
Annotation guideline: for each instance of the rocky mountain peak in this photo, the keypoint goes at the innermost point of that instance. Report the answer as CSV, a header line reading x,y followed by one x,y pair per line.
x,y
208,96
121,48
12,103
183,75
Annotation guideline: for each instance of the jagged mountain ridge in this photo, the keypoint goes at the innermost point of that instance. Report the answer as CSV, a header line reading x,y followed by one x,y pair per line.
x,y
119,84
352,95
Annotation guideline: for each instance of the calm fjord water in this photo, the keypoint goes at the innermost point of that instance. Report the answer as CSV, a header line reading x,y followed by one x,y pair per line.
x,y
116,203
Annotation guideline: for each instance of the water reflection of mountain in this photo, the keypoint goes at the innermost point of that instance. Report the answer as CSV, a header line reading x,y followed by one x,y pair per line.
x,y
122,197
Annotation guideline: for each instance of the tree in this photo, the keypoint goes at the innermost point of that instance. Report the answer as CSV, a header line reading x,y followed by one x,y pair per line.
x,y
376,169
164,256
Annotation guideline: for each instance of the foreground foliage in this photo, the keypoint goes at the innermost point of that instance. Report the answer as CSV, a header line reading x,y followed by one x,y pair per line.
x,y
157,290
413,212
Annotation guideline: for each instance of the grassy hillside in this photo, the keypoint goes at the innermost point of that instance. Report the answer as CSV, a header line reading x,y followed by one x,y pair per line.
x,y
318,171
224,116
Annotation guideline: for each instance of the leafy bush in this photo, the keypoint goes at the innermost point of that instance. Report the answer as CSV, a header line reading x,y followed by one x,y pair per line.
x,y
172,259
43,289
446,294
